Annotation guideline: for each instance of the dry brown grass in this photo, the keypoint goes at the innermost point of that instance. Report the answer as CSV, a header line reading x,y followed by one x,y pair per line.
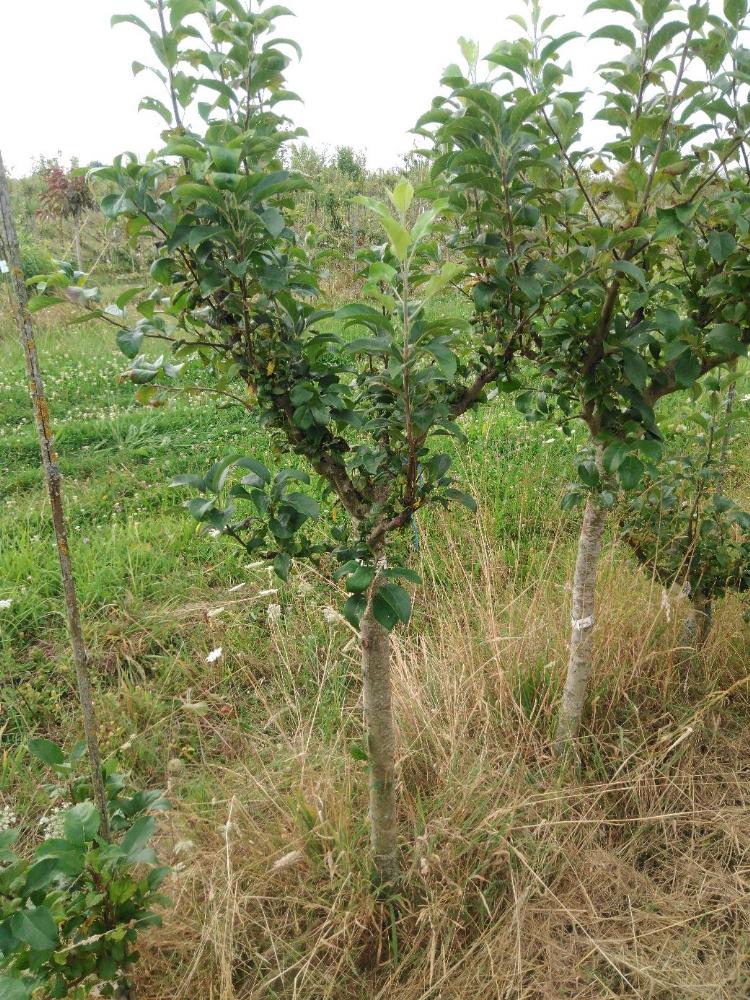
x,y
628,875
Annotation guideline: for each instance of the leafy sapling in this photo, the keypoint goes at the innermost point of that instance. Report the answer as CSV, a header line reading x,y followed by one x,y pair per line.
x,y
234,293
682,528
73,904
604,281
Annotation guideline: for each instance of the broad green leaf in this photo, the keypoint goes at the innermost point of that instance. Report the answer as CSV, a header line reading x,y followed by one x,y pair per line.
x,y
632,270
81,823
631,471
360,579
636,370
130,342
721,246
617,34
390,605
726,339
47,751
137,837
39,302
735,11
687,370
36,928
624,6
14,989
281,565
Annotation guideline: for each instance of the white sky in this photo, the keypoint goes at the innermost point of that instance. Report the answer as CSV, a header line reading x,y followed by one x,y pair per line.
x,y
370,69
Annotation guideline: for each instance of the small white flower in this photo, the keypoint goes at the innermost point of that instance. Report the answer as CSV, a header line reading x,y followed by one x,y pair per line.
x,y
7,818
331,615
184,847
215,655
175,765
4,605
273,613
213,533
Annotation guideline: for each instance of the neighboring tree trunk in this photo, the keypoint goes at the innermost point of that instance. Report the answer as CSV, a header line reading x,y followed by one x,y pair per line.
x,y
726,440
697,623
381,743
580,661
77,241
53,478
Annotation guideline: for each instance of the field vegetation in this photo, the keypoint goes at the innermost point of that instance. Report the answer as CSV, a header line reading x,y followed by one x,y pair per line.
x,y
609,860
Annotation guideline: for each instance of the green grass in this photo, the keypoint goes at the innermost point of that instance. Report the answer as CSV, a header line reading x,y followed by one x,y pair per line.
x,y
272,723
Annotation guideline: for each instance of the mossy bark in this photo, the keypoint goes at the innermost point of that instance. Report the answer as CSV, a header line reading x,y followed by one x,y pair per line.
x,y
381,743
580,661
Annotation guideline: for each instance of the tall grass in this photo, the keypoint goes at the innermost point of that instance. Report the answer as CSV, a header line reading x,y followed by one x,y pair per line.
x,y
627,876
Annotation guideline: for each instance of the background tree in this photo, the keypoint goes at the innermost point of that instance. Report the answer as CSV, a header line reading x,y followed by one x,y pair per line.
x,y
619,273
236,289
68,196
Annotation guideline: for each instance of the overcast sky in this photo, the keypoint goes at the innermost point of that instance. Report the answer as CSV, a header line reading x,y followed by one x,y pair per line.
x,y
370,69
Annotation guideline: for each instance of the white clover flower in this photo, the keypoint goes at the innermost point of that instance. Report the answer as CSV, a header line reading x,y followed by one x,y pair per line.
x,y
273,614
331,615
53,823
215,655
4,605
8,818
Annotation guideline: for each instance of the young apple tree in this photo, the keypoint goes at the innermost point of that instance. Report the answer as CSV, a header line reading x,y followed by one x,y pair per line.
x,y
604,280
234,291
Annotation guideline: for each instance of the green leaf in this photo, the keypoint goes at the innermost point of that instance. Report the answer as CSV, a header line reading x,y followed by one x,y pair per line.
x,y
151,104
402,196
14,989
281,565
354,609
360,579
303,504
617,34
137,837
614,455
589,474
36,928
624,6
735,11
390,605
129,295
636,370
632,271
631,472
130,342
47,751
687,370
273,220
721,246
41,874
39,302
726,339
163,269
81,823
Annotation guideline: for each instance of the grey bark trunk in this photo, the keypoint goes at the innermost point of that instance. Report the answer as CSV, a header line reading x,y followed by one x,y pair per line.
x,y
381,743
77,242
53,479
580,659
697,623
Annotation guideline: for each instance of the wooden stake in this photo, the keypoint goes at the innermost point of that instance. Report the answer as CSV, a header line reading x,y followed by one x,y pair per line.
x,y
53,479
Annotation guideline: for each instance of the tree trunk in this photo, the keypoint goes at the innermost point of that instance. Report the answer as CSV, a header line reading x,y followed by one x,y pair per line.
x,y
697,623
381,743
53,478
77,241
582,626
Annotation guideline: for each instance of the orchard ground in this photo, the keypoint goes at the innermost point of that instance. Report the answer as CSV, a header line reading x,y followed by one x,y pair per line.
x,y
626,877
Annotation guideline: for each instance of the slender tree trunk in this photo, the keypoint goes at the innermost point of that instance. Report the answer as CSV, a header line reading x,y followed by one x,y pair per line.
x,y
53,478
697,623
381,743
77,241
726,439
580,660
